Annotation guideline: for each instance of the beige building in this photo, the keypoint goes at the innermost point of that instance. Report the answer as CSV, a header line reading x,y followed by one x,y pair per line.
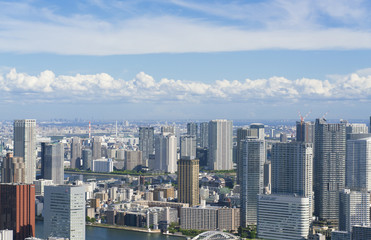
x,y
210,218
13,169
188,187
132,159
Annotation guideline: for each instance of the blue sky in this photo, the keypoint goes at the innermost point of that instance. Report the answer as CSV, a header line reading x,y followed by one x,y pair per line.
x,y
185,59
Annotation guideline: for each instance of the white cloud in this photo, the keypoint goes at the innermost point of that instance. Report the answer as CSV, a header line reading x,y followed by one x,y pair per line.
x,y
274,24
144,88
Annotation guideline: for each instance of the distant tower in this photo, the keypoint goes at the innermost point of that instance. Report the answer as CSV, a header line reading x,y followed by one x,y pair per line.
x,y
75,152
358,164
292,171
17,209
305,131
89,130
166,153
204,135
52,159
220,145
242,133
25,146
329,168
168,129
192,129
256,130
188,146
146,142
188,170
252,179
61,223
132,159
87,158
97,148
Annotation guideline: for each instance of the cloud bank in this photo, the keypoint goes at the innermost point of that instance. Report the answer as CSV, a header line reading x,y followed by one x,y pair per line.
x,y
48,87
114,27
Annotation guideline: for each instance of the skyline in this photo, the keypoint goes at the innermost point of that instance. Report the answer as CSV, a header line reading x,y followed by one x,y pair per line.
x,y
184,60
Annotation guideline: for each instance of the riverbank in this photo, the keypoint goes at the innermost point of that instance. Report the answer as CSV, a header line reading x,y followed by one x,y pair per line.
x,y
108,174
134,229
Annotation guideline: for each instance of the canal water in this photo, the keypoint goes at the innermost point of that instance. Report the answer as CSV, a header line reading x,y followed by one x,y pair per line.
x,y
97,233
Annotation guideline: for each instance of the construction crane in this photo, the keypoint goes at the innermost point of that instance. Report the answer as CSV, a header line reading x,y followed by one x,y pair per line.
x,y
324,115
303,118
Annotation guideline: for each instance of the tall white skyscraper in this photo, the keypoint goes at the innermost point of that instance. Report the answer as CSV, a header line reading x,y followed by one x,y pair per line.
x,y
358,164
252,180
64,212
220,145
25,146
166,153
354,209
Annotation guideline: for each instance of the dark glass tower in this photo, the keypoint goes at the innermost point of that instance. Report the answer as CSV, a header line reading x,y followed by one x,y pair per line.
x,y
329,168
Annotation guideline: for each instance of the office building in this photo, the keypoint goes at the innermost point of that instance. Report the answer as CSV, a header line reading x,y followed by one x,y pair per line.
x,y
292,171
166,153
52,159
204,135
283,217
329,168
6,234
305,132
354,209
188,146
192,129
257,130
220,145
87,158
64,212
188,186
12,169
132,159
341,235
356,128
40,185
358,164
97,148
209,218
25,146
252,179
75,152
168,129
361,232
102,165
17,209
242,133
146,142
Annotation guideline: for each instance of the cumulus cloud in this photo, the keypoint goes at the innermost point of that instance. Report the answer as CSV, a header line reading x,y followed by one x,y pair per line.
x,y
46,86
